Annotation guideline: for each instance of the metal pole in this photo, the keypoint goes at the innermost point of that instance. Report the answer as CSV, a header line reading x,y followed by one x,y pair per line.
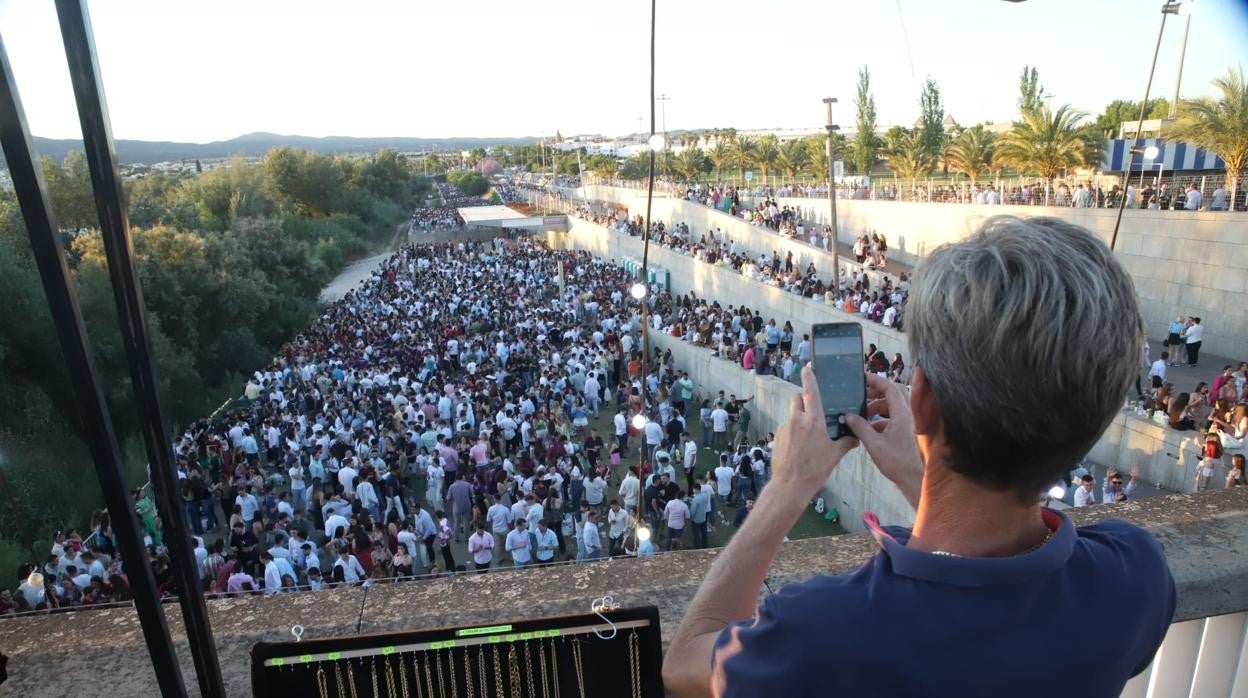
x,y
836,262
1178,77
97,428
97,137
645,239
1113,240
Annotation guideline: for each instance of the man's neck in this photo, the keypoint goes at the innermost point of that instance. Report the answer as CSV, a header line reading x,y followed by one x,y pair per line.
x,y
997,525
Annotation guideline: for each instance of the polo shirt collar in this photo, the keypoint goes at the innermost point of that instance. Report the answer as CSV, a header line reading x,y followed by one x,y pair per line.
x,y
976,571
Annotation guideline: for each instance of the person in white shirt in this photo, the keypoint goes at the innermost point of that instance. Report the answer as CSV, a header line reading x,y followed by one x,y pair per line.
x,y
617,527
596,490
1158,369
272,576
481,548
250,505
347,568
298,487
499,518
1193,334
366,494
621,431
1192,200
347,475
1085,493
335,521
590,540
1219,199
654,437
518,544
630,488
719,427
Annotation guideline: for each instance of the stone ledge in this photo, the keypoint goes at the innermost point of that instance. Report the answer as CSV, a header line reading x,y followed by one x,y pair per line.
x,y
102,652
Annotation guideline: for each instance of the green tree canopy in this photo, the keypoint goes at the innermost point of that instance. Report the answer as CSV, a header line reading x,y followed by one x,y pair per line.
x,y
971,152
1045,142
1219,125
866,144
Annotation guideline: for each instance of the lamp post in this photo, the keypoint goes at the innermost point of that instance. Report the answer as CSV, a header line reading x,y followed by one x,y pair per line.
x,y
640,290
1186,10
664,99
1170,8
836,262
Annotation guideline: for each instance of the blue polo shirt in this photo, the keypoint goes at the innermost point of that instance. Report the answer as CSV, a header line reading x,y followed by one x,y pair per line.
x,y
910,623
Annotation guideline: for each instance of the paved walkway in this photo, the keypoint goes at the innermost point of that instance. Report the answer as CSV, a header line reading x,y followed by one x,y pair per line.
x,y
356,273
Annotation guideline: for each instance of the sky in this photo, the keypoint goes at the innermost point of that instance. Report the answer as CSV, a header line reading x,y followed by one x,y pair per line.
x,y
199,72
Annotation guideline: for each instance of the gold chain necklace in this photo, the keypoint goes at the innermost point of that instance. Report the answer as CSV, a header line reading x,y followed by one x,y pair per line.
x,y
437,663
389,666
528,668
351,679
322,683
467,675
403,676
498,673
450,674
374,677
342,692
580,671
634,663
554,666
428,676
541,659
484,679
513,666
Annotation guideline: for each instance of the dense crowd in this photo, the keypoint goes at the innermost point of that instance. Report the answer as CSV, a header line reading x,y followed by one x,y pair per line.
x,y
431,218
448,399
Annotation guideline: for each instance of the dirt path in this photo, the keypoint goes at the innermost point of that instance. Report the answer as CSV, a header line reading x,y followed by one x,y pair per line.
x,y
359,270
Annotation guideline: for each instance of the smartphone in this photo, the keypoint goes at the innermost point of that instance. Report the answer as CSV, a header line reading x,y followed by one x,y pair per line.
x,y
836,353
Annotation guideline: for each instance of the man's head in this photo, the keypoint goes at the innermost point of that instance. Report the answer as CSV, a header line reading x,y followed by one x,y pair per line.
x,y
1086,482
1008,302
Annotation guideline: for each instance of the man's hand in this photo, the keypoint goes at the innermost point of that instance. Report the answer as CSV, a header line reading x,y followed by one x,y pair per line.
x,y
890,441
804,455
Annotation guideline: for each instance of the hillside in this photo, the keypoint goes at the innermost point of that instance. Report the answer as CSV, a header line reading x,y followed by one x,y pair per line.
x,y
147,152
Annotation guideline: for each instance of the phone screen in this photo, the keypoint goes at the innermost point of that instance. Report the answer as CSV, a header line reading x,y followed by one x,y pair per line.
x,y
837,352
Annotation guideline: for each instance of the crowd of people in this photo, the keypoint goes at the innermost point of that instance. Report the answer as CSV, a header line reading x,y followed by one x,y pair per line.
x,y
448,400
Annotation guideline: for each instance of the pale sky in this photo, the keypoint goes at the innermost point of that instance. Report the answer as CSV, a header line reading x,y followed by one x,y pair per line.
x,y
204,71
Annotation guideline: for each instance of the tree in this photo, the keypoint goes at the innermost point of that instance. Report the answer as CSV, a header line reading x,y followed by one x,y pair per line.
x,y
817,155
866,145
766,151
792,158
1219,125
908,155
1119,111
69,190
721,156
971,152
1046,142
933,118
1030,93
743,153
689,163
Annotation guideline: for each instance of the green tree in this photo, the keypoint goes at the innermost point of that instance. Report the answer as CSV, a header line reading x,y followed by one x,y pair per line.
x,y
690,163
971,152
1030,92
792,158
69,190
908,155
1045,142
310,182
1109,122
721,156
816,147
866,144
933,118
743,153
1219,125
766,151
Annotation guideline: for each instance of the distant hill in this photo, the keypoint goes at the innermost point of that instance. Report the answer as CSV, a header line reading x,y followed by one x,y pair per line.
x,y
147,152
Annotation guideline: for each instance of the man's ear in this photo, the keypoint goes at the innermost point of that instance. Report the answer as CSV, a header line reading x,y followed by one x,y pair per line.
x,y
923,404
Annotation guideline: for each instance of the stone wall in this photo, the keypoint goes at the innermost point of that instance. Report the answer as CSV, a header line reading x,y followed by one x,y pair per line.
x,y
101,652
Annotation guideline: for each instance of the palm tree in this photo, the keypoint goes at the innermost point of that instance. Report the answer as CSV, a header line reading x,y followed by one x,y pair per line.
x,y
766,150
971,152
743,153
689,163
792,158
721,155
1220,125
909,157
1047,142
816,147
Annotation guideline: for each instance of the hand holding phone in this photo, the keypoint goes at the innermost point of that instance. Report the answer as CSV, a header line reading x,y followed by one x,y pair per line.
x,y
836,354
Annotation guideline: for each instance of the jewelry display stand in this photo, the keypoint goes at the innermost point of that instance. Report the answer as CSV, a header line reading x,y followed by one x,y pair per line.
x,y
610,652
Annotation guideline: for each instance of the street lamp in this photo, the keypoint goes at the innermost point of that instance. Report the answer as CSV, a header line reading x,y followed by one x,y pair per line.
x,y
836,262
1186,10
1170,8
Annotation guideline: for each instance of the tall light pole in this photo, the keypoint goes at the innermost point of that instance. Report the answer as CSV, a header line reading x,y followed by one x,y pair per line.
x,y
664,99
832,128
1186,10
1170,8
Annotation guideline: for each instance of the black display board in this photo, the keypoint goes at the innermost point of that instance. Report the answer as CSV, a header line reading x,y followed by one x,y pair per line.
x,y
562,657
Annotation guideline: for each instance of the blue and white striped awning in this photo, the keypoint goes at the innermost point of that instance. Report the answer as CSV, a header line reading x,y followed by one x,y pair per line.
x,y
1172,155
